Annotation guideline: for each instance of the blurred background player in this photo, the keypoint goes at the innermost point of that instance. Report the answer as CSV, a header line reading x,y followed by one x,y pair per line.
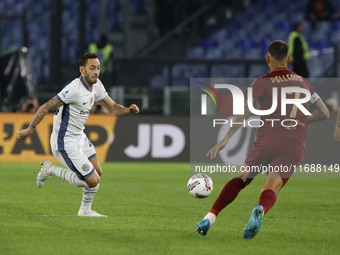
x,y
319,10
298,51
31,104
99,109
104,49
337,127
69,144
275,146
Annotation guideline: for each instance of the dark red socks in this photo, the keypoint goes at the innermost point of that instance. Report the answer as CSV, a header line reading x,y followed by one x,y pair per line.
x,y
267,199
227,195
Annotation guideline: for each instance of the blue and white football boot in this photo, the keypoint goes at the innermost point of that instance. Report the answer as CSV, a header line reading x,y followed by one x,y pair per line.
x,y
254,223
203,226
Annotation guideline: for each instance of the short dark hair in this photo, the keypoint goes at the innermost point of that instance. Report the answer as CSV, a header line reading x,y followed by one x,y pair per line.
x,y
83,59
278,50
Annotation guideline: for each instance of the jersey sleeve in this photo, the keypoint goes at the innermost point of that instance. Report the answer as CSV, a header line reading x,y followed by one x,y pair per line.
x,y
259,88
101,92
68,94
314,96
311,89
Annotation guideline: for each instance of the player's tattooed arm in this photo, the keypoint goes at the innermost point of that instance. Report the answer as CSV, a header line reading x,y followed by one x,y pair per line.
x,y
106,104
51,105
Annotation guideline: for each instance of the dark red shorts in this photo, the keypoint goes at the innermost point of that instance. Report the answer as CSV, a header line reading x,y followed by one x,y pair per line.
x,y
276,153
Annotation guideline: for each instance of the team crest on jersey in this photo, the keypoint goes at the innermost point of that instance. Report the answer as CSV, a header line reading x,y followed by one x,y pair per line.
x,y
86,168
91,100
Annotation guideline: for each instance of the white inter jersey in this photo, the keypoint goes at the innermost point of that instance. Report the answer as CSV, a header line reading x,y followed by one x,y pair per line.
x,y
69,119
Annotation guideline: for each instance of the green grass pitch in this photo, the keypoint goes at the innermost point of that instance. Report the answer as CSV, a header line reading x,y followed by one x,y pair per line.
x,y
151,212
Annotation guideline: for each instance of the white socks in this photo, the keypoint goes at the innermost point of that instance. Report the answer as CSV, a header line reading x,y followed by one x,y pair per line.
x,y
69,176
211,217
88,195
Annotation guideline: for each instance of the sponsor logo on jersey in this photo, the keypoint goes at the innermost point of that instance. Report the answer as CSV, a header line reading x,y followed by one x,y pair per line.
x,y
84,112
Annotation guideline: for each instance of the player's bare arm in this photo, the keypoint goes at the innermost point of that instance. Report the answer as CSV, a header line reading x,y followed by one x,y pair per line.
x,y
337,128
238,118
118,109
320,113
51,105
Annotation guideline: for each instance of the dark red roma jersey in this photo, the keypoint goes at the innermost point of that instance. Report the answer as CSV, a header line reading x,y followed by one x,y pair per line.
x,y
274,124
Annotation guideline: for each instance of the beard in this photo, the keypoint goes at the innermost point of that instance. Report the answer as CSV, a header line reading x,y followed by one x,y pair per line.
x,y
88,79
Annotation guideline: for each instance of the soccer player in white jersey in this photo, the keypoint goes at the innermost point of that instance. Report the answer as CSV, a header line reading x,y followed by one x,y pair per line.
x,y
69,143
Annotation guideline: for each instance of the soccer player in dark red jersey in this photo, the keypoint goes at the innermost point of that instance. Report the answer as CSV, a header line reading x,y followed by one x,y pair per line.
x,y
275,145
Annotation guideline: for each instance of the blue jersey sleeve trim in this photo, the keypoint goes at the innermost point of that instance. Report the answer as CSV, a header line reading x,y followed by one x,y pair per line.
x,y
92,156
88,175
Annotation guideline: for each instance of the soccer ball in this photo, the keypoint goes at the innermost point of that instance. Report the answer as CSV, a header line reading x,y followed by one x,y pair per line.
x,y
200,185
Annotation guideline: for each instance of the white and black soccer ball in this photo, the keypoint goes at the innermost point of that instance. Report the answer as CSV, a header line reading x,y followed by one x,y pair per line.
x,y
200,185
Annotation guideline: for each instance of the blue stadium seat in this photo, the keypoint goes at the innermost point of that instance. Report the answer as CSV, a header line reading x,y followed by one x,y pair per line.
x,y
336,25
241,17
234,54
281,35
285,25
256,71
319,35
323,43
281,15
258,36
264,45
237,71
250,27
221,71
195,53
315,67
246,44
335,37
231,26
268,27
227,71
220,36
297,17
328,62
208,43
307,29
253,9
324,26
215,53
259,20
311,44
254,54
227,45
